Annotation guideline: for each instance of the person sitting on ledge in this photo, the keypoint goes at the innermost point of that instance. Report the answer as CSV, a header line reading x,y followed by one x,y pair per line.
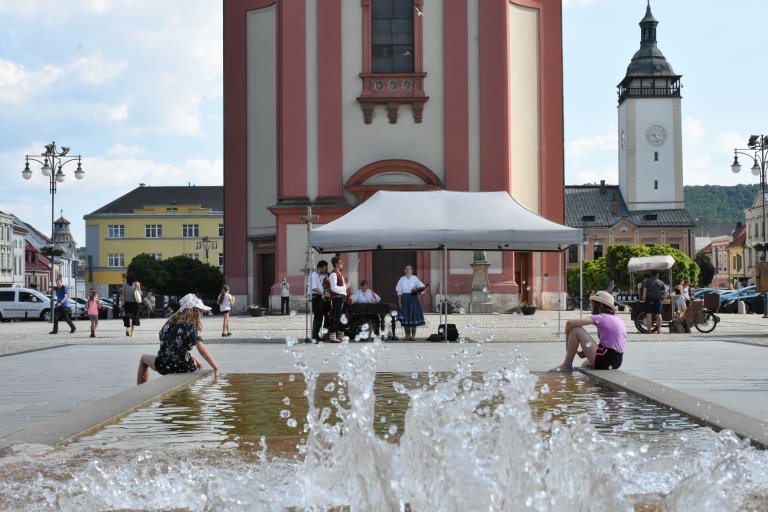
x,y
177,337
608,352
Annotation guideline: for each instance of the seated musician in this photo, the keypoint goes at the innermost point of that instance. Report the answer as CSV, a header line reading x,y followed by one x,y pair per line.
x,y
365,295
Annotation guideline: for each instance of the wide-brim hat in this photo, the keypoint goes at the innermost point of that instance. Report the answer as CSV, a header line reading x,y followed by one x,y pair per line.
x,y
190,301
603,298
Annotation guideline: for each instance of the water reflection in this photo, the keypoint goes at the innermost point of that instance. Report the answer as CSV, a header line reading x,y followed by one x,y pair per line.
x,y
242,408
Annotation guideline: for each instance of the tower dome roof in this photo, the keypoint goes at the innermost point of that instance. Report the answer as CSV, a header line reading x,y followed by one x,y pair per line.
x,y
648,61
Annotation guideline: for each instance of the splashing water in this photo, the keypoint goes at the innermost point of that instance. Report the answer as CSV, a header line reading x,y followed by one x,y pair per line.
x,y
462,432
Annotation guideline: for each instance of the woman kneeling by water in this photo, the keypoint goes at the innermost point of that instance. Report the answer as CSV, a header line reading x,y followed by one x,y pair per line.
x,y
608,353
177,337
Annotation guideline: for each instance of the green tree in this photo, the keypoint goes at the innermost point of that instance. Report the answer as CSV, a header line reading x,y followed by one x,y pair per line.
x,y
707,269
617,257
192,276
151,273
685,268
594,277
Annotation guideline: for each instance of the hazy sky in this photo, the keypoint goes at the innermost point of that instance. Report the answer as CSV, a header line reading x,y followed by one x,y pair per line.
x,y
135,86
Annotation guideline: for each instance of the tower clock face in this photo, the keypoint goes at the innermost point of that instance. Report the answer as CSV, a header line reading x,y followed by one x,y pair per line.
x,y
656,135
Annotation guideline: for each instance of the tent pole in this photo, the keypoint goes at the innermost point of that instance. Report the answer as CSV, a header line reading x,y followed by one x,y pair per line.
x,y
581,278
445,291
559,289
308,218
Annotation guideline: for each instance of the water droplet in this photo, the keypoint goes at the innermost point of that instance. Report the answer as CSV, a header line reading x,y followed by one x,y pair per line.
x,y
323,331
466,384
644,448
392,430
600,403
291,378
399,388
343,319
461,311
485,289
285,413
365,326
383,419
286,400
393,313
292,423
544,389
293,312
291,341
415,376
544,324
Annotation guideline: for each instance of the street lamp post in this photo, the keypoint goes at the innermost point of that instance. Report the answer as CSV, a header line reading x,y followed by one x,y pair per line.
x,y
52,165
207,244
757,150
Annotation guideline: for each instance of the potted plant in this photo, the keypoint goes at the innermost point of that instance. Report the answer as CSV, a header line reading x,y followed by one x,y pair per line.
x,y
527,309
256,310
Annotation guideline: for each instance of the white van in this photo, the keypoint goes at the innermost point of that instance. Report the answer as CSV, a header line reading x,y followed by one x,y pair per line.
x,y
24,303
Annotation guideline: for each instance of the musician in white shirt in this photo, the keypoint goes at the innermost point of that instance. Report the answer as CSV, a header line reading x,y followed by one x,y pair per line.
x,y
411,315
318,293
364,294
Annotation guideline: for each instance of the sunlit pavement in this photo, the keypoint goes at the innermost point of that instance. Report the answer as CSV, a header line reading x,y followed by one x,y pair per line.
x,y
719,374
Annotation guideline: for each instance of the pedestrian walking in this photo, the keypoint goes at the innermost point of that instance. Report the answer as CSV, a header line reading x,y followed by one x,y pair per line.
x,y
61,308
94,304
225,301
130,297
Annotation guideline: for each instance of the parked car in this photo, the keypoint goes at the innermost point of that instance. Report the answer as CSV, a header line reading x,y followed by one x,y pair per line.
x,y
24,303
749,290
698,294
753,303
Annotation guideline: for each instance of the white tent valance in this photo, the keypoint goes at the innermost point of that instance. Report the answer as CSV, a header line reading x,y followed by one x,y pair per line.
x,y
431,220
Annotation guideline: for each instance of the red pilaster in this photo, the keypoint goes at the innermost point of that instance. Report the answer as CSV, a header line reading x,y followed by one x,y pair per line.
x,y
456,93
494,97
329,97
292,99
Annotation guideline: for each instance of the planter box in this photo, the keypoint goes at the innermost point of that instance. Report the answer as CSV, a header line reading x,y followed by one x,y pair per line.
x,y
527,310
258,312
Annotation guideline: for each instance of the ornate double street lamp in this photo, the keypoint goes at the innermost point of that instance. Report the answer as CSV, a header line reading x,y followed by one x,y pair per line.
x,y
53,162
207,244
757,150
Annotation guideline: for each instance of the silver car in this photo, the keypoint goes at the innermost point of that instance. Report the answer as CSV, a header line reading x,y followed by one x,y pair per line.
x,y
24,303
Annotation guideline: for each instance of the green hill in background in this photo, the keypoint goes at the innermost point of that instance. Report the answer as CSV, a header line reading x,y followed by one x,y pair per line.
x,y
716,203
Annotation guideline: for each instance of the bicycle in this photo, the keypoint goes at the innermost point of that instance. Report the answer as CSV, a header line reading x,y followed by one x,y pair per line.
x,y
704,323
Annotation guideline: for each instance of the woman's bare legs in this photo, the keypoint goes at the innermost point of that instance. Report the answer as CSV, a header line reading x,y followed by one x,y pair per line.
x,y
578,336
146,362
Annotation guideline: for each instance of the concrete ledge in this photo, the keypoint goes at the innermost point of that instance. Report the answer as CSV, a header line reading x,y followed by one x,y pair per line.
x,y
100,412
708,413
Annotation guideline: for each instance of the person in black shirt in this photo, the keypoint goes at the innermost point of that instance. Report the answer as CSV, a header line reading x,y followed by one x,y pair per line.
x,y
654,293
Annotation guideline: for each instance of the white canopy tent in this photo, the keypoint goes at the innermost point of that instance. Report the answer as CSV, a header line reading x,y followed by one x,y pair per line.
x,y
432,220
443,220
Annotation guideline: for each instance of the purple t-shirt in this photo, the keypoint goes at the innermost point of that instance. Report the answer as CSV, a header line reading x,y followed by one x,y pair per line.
x,y
611,331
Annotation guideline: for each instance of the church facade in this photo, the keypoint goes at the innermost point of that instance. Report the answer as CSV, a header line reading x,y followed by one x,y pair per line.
x,y
327,102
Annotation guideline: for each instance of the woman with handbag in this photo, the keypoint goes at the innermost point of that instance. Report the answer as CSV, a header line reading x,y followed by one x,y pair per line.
x,y
130,297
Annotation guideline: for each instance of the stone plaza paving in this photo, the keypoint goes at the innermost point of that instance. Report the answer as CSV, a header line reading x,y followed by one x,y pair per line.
x,y
55,386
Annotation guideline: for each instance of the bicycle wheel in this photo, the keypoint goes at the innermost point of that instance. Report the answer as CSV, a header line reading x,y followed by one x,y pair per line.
x,y
641,327
708,322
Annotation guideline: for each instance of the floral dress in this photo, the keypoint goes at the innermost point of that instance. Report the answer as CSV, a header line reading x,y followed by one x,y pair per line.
x,y
176,340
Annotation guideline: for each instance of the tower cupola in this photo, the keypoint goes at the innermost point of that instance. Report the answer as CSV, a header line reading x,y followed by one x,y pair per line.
x,y
649,74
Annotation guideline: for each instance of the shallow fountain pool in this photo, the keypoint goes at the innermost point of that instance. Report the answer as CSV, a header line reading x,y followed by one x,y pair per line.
x,y
501,440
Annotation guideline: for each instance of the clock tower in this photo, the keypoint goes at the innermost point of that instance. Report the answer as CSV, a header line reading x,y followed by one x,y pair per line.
x,y
650,130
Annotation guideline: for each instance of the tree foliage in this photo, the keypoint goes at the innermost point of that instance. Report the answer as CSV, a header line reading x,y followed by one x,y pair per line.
x,y
177,276
613,267
716,203
150,272
707,269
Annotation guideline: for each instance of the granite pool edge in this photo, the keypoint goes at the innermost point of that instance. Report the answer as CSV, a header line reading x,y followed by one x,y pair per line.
x,y
706,412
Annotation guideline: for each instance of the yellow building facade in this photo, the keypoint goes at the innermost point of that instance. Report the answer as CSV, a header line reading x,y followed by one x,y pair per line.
x,y
160,221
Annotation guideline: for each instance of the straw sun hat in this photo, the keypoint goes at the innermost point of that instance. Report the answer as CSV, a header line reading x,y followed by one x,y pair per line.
x,y
603,298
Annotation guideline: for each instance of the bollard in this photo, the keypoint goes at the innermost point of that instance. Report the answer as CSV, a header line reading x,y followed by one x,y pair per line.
x,y
741,307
